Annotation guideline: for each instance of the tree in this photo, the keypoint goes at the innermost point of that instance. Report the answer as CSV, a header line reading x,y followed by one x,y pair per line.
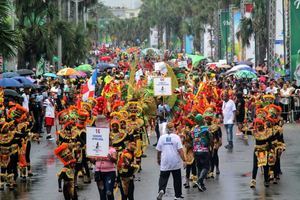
x,y
257,25
9,39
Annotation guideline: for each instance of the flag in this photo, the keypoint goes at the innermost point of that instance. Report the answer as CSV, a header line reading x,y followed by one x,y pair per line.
x,y
88,90
40,67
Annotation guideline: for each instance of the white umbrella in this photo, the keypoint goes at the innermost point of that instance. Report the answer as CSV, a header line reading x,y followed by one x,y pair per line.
x,y
240,67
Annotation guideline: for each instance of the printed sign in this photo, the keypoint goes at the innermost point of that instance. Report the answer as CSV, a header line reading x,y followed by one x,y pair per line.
x,y
161,66
97,142
182,64
162,86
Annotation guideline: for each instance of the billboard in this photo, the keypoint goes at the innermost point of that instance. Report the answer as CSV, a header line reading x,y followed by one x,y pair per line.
x,y
295,39
279,42
237,15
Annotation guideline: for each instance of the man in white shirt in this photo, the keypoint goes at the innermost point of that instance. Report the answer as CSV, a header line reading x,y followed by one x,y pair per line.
x,y
228,110
25,96
170,156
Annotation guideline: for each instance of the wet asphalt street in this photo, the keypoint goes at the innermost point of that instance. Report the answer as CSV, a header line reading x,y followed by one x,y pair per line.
x,y
231,184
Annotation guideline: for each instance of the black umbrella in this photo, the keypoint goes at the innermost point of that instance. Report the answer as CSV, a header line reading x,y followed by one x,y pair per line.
x,y
25,72
12,93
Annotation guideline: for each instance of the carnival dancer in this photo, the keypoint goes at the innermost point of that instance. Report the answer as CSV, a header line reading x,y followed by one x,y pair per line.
x,y
126,168
201,144
275,123
216,134
66,174
8,155
262,137
189,155
80,151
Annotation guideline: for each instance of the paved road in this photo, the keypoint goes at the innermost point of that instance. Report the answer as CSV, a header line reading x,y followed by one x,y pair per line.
x,y
231,184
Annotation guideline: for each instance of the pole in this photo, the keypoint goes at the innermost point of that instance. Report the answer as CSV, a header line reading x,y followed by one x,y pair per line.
x,y
284,34
76,12
59,39
69,10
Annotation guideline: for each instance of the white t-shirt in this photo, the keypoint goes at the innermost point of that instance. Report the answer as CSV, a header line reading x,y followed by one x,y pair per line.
x,y
169,144
270,90
228,109
50,109
25,103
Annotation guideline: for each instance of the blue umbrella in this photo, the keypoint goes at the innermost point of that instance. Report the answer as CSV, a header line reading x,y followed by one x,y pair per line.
x,y
50,75
24,81
9,74
103,66
9,82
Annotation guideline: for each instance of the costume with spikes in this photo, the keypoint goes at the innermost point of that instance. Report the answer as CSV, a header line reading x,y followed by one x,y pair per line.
x,y
66,174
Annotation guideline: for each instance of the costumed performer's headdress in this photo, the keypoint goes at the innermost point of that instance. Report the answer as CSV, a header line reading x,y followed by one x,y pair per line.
x,y
64,154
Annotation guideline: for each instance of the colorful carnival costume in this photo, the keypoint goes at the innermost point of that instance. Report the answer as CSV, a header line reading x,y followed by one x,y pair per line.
x,y
127,167
262,136
66,174
216,135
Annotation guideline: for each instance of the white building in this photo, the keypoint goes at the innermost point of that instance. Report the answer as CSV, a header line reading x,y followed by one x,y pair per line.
x,y
123,8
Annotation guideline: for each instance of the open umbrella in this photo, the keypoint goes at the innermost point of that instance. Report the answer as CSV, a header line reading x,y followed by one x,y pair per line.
x,y
12,93
9,82
245,74
195,59
80,74
249,63
67,72
25,72
240,67
84,68
9,74
52,75
24,81
225,66
151,51
104,66
105,58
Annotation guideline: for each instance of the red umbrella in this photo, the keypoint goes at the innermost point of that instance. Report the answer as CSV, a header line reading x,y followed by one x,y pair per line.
x,y
105,58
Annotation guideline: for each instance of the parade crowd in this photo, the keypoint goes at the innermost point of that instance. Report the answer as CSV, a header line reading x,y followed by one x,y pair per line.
x,y
188,123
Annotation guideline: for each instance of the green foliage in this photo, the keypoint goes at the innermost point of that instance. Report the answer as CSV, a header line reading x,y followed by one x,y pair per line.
x,y
9,39
245,31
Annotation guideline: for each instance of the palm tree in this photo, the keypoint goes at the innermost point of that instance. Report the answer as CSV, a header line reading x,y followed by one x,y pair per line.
x,y
9,39
258,26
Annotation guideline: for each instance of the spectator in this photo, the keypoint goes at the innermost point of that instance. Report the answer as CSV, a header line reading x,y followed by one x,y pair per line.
x,y
228,109
170,156
285,95
271,89
49,110
25,96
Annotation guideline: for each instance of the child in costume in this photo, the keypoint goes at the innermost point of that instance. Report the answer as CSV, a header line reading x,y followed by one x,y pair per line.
x,y
67,172
127,167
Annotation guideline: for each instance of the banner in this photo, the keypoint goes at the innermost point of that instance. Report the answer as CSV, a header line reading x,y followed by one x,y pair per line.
x,y
40,69
225,34
162,86
237,43
97,142
295,39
